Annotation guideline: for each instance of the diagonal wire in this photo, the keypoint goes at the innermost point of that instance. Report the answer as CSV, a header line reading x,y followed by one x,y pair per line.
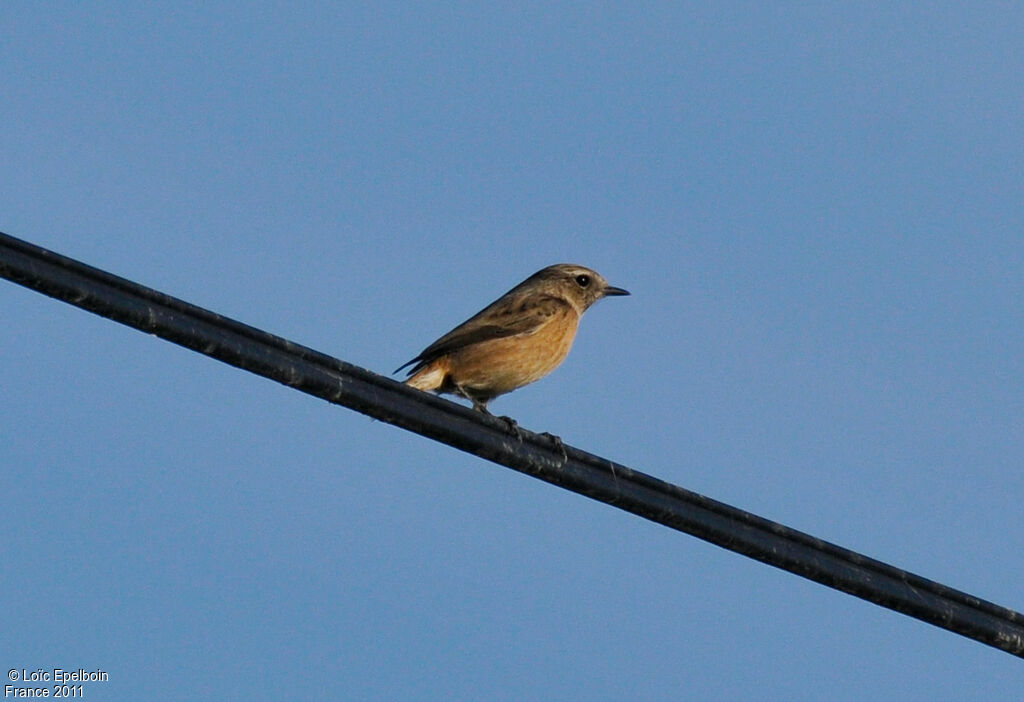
x,y
344,384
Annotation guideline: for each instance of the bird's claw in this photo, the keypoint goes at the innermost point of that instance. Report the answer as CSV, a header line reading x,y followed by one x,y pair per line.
x,y
513,427
556,441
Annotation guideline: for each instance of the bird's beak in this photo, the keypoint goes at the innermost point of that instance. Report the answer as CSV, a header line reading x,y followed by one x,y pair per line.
x,y
612,291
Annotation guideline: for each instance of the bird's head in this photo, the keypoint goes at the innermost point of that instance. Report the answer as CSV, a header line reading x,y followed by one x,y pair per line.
x,y
578,284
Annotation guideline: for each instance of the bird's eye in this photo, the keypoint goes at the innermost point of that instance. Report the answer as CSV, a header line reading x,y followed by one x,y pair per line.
x,y
583,280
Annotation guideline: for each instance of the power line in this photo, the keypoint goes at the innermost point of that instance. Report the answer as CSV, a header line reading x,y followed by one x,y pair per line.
x,y
344,384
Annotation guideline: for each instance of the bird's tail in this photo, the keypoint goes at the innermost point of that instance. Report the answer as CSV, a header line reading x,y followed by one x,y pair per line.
x,y
430,377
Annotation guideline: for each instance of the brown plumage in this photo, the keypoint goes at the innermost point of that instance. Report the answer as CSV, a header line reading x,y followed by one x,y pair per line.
x,y
518,339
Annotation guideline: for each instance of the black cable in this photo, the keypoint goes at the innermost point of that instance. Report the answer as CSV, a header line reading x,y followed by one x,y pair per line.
x,y
488,437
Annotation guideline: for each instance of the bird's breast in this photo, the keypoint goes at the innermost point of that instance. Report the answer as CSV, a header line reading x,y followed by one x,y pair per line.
x,y
498,366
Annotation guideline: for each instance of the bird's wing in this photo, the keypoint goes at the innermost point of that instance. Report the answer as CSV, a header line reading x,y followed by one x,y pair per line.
x,y
506,317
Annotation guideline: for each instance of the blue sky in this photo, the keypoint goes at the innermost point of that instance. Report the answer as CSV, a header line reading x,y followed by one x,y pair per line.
x,y
818,210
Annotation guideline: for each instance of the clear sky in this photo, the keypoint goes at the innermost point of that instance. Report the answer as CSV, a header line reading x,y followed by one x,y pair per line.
x,y
818,208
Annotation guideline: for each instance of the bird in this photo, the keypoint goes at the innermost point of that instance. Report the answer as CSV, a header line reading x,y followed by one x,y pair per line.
x,y
516,340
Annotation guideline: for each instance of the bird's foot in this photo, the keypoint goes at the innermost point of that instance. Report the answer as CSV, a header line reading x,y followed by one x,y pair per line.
x,y
556,441
513,427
